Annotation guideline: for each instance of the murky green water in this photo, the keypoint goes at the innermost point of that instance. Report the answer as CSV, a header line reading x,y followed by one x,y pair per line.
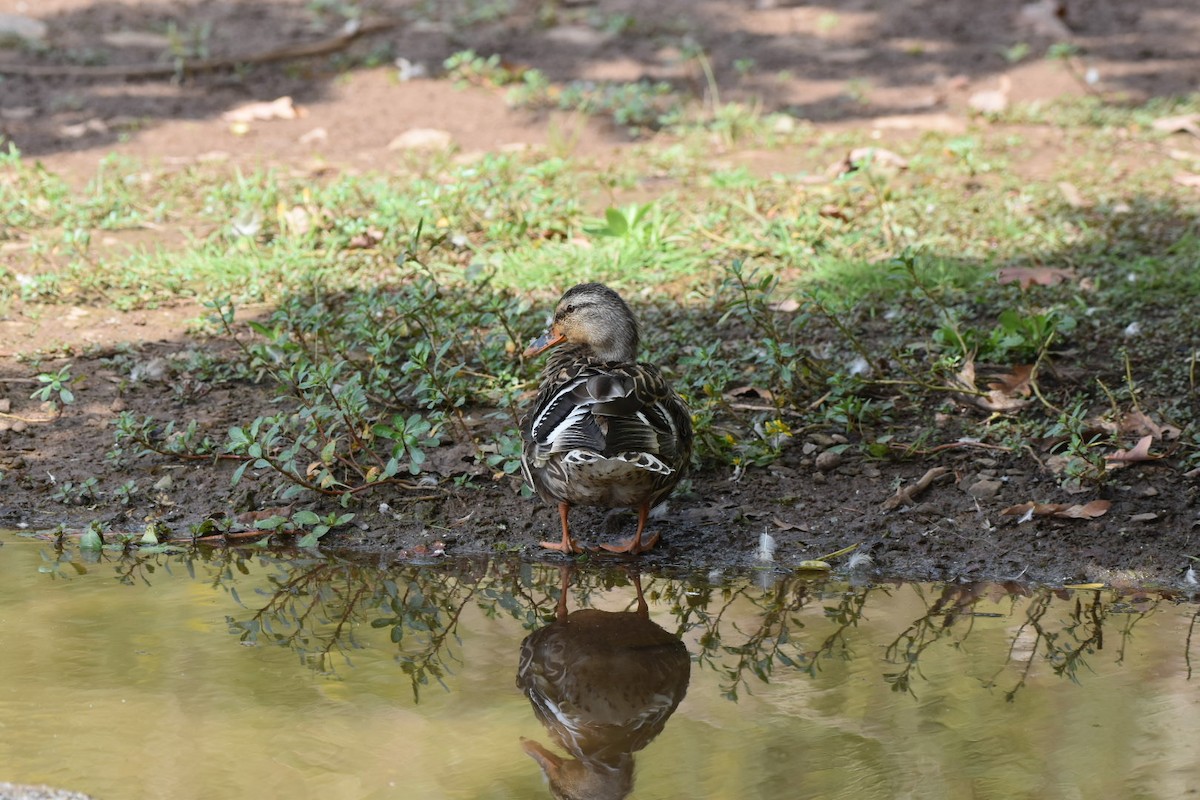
x,y
252,675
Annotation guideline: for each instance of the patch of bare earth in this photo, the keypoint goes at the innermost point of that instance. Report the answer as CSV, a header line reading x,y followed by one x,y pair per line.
x,y
895,67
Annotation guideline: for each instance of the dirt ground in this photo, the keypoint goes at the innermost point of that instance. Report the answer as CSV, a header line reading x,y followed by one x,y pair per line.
x,y
907,63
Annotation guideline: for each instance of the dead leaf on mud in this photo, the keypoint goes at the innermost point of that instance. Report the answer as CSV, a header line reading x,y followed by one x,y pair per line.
x,y
279,108
1096,508
1138,423
1072,196
1148,516
1007,393
1031,276
788,526
749,394
1183,123
1139,452
992,101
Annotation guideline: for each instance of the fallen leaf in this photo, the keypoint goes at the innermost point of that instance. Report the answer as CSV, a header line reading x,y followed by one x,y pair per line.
x,y
1137,423
749,393
1139,452
999,397
1184,123
422,139
1096,508
1016,383
1030,276
1148,516
861,157
788,526
1072,195
1084,586
786,306
1189,179
279,108
992,101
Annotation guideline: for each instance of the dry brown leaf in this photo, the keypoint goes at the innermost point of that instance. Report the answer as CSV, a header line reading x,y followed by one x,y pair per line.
x,y
750,394
992,101
861,157
1072,196
788,526
786,306
1136,422
1029,276
1010,393
1139,452
1096,508
279,108
1016,383
1184,123
1187,179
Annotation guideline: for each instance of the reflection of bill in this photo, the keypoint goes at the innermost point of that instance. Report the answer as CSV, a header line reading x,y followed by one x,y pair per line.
x,y
604,684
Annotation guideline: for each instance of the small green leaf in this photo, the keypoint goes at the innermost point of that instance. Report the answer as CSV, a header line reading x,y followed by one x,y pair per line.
x,y
617,224
305,517
90,540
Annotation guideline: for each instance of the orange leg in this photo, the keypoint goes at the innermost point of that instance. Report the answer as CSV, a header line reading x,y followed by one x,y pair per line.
x,y
635,546
567,545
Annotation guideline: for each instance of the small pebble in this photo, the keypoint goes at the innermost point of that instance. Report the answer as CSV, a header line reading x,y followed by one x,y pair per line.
x,y
828,460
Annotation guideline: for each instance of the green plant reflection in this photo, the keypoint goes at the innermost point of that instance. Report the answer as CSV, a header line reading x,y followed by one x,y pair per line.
x,y
325,608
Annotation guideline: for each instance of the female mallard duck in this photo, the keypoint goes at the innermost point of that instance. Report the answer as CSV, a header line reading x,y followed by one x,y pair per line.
x,y
604,430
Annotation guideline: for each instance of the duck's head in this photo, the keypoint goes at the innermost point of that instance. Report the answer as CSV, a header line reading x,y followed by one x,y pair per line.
x,y
592,316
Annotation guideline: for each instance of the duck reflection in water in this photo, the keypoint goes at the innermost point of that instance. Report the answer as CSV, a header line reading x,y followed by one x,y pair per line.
x,y
604,684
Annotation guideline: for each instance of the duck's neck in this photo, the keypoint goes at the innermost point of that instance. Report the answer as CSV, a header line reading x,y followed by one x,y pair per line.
x,y
566,354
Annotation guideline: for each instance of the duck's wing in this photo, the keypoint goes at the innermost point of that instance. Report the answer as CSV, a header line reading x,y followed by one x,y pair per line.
x,y
609,409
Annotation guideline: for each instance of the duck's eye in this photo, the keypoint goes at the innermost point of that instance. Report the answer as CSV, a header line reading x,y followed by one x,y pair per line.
x,y
569,309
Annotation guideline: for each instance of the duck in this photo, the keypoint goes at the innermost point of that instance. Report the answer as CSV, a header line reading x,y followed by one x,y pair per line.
x,y
604,429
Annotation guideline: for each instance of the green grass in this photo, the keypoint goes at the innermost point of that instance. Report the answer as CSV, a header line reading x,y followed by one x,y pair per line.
x,y
401,300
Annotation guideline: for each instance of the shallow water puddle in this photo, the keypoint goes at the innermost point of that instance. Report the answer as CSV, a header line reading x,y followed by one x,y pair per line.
x,y
244,674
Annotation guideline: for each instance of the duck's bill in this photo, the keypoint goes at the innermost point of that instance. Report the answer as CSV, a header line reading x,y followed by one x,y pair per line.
x,y
544,342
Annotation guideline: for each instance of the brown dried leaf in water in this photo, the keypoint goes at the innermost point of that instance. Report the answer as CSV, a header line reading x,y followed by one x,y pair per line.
x,y
1030,276
279,108
1139,452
